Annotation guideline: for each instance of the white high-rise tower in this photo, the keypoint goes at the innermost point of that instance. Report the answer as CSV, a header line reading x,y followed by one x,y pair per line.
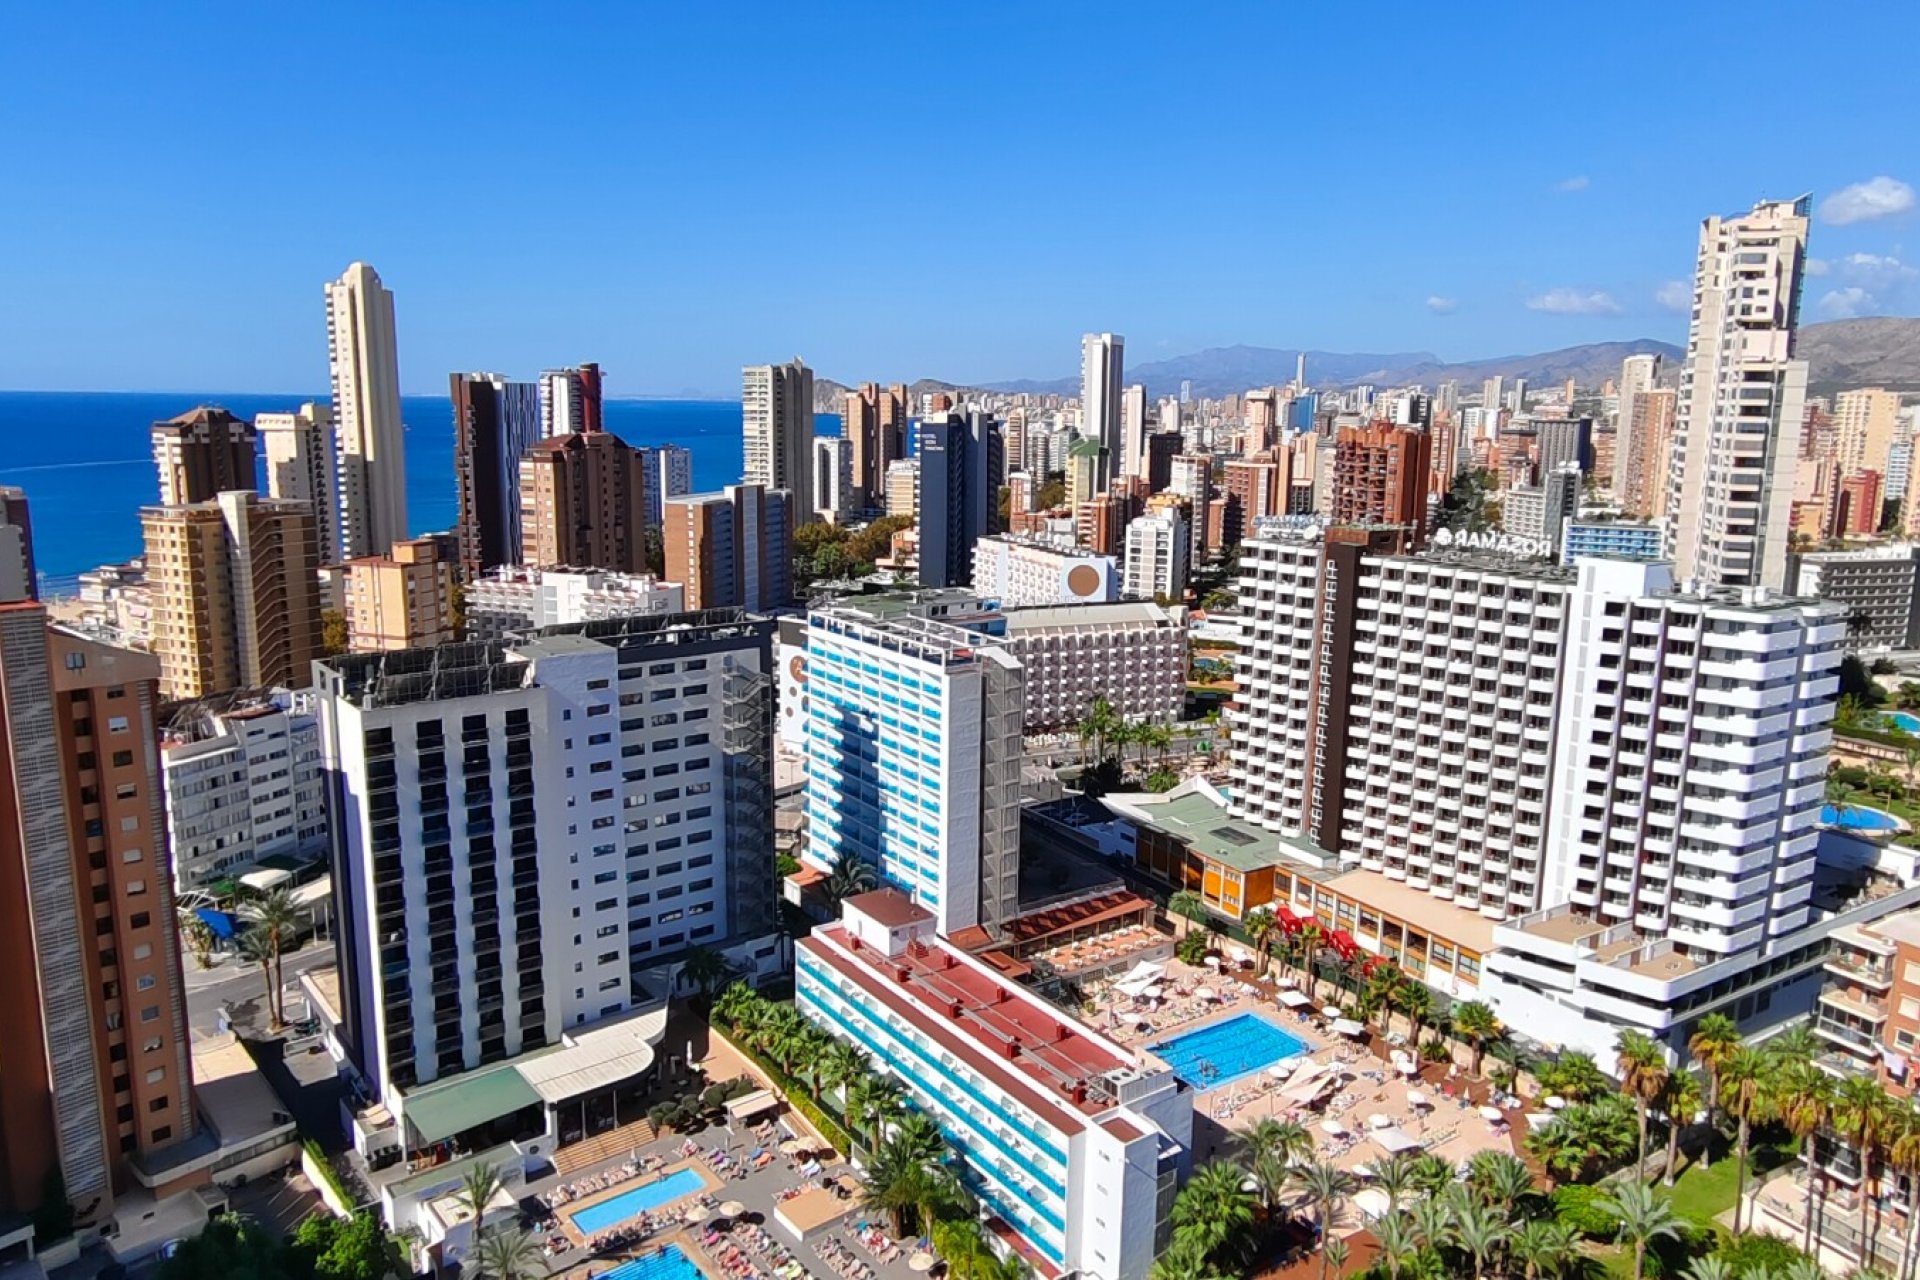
x,y
364,363
1102,357
777,429
1736,433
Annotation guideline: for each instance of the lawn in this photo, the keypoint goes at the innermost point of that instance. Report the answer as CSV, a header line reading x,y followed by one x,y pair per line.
x,y
1703,1194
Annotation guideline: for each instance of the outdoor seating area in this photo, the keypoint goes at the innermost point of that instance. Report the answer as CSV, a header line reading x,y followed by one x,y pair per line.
x,y
1105,953
1155,997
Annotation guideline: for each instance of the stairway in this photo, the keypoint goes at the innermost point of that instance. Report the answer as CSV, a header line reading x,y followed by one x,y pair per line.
x,y
603,1149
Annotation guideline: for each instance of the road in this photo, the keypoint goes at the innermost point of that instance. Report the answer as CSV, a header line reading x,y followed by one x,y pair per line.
x,y
242,987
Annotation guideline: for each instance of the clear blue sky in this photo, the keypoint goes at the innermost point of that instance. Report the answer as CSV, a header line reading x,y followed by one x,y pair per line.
x,y
899,190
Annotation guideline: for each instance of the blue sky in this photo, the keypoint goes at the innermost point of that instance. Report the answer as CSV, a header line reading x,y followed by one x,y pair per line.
x,y
903,190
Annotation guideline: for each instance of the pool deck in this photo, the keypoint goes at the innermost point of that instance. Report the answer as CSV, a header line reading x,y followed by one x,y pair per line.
x,y
709,1184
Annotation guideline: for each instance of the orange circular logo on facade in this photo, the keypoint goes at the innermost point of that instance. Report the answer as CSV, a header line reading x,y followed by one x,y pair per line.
x,y
1083,580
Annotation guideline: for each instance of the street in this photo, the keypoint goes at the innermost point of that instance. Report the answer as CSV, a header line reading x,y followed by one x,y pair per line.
x,y
232,982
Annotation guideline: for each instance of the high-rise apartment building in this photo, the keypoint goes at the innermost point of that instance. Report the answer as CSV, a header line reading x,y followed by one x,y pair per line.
x,y
1558,442
19,580
203,452
1254,491
874,423
1537,512
402,600
582,504
833,497
235,594
244,783
1640,486
496,424
1855,510
94,1074
777,424
1736,433
666,472
903,487
1133,653
1102,375
733,548
1638,373
1159,550
913,759
494,898
363,362
570,401
959,456
1878,586
1191,477
1133,430
1865,423
1380,478
302,467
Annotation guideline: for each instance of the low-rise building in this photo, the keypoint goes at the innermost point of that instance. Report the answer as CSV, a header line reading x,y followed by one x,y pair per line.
x,y
514,599
1628,539
244,782
1073,1144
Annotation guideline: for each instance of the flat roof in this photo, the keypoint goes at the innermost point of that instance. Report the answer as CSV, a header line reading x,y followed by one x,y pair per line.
x,y
1416,907
1098,613
234,1096
889,907
1903,926
1207,829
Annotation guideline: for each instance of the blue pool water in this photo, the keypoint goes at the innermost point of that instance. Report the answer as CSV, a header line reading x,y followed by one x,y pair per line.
x,y
1856,818
665,1264
635,1201
1223,1052
1902,720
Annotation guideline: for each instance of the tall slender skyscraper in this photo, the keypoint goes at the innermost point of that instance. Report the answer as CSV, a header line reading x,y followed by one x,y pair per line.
x,y
496,423
959,456
570,400
777,428
364,362
1736,433
873,421
1102,370
301,467
1637,374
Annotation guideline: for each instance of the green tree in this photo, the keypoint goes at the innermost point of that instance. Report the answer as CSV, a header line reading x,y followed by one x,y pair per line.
x,y
1681,1100
481,1183
1743,1079
1574,1075
1327,1186
706,969
359,1248
254,947
506,1253
1642,1067
1644,1217
1803,1099
274,914
1480,1232
1543,1247
1214,1207
1261,925
1714,1040
1864,1116
333,633
1475,1022
1189,907
230,1247
1856,681
847,876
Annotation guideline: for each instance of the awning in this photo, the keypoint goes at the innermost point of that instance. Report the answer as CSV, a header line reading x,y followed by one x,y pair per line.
x,y
1348,1027
752,1104
439,1111
1396,1140
1295,999
1372,1202
265,878
313,893
221,922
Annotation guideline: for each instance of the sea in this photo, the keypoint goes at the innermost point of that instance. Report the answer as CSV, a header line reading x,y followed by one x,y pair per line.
x,y
85,460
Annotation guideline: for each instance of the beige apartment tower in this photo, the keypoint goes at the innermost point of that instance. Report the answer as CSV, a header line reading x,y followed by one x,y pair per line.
x,y
1640,458
583,504
301,467
402,600
235,593
364,363
94,1074
1736,432
1864,424
776,419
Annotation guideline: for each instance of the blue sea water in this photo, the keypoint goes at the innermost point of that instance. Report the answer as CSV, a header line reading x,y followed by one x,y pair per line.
x,y
87,466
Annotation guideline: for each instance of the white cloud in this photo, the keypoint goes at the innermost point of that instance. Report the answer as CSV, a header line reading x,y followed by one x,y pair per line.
x,y
1880,197
1845,304
1818,266
1573,302
1580,182
1442,306
1875,272
1675,295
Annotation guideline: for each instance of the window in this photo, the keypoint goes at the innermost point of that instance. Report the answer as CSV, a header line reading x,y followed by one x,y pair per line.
x,y
163,1133
158,1105
156,1075
135,887
144,982
139,920
122,759
130,855
116,724
149,1014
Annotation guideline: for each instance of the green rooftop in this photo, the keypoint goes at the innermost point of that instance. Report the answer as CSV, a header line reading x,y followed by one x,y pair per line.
x,y
437,1111
1205,827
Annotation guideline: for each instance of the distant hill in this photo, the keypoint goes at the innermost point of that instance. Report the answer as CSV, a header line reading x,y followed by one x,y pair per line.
x,y
1881,351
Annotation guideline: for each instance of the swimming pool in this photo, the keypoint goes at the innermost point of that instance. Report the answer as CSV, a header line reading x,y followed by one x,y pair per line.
x,y
636,1200
1904,721
1225,1051
1858,818
667,1263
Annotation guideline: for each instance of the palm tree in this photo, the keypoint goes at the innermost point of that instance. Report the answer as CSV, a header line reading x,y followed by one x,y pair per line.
x,y
1333,1253
1189,907
706,969
478,1188
1214,1207
841,1065
1480,1232
1416,1002
1839,792
509,1254
1713,1041
1476,1022
1432,1220
1862,1114
1261,924
1711,1267
1803,1099
1642,1067
917,1136
1575,1076
255,947
1542,1246
1310,937
1681,1102
1384,984
274,914
1398,1178
1903,1151
1743,1081
1397,1238
849,875
1328,1186
733,1003
1644,1217
872,1101
1500,1179
1184,1259
1287,1139
1796,1045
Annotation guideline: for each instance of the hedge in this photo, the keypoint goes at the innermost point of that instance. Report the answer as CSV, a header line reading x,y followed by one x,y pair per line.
x,y
797,1096
328,1172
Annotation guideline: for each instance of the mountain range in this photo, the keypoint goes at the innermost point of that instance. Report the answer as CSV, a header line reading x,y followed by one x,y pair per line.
x,y
1882,351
